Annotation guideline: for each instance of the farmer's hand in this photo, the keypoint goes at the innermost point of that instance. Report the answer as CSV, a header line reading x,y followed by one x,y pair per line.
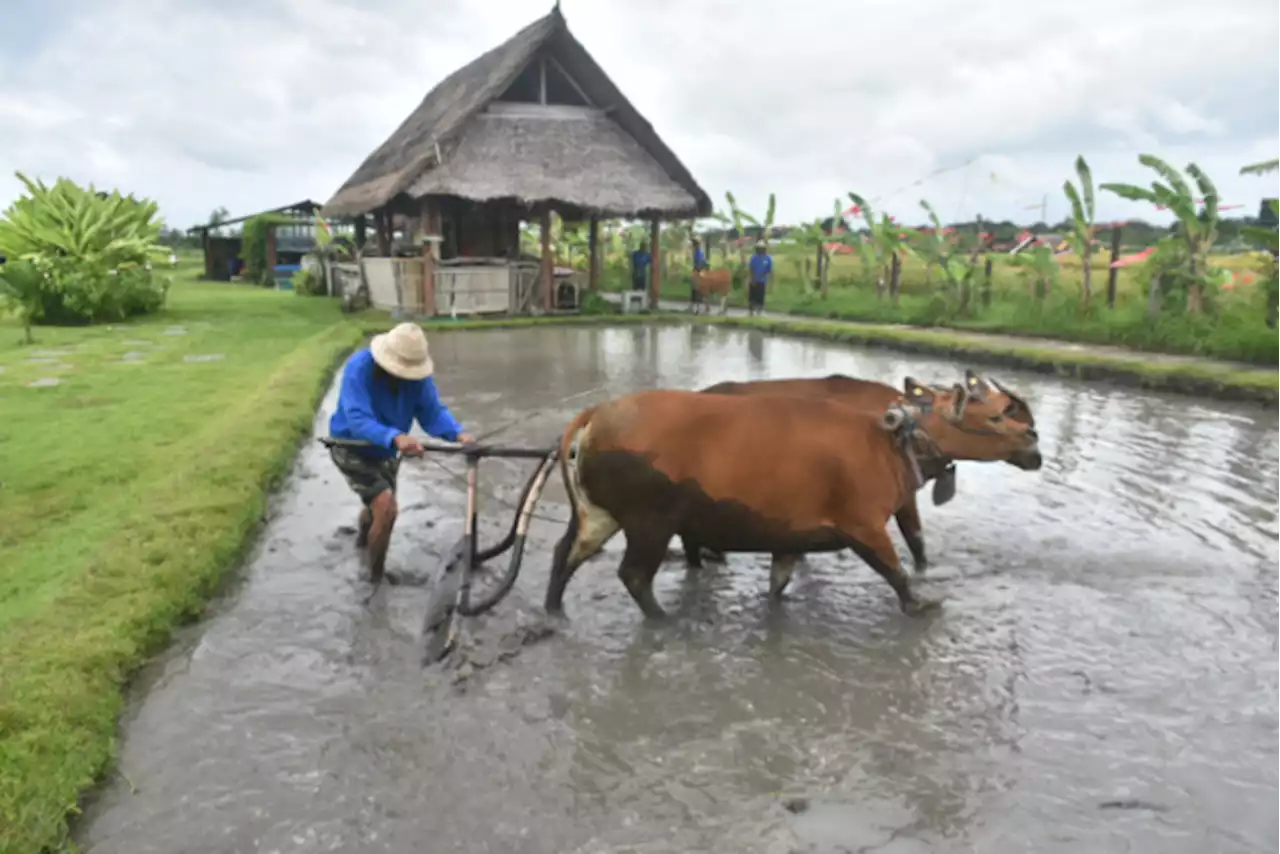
x,y
408,445
466,439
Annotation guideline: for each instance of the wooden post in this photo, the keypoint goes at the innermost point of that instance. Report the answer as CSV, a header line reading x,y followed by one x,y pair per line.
x,y
593,247
986,283
655,266
895,276
1113,272
548,262
430,228
360,225
382,223
208,257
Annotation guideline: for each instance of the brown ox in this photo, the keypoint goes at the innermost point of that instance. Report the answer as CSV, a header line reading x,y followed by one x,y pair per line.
x,y
875,397
708,283
741,473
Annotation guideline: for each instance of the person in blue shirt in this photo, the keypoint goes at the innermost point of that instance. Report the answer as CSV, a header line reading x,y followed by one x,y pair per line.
x,y
384,388
699,264
761,265
639,268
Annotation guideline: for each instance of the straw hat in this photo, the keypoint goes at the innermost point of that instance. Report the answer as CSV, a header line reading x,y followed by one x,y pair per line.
x,y
403,352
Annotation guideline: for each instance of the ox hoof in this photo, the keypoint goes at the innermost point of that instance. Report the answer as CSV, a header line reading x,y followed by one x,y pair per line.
x,y
918,606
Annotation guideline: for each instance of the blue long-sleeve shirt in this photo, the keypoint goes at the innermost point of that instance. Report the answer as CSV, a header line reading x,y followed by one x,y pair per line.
x,y
699,258
761,266
368,409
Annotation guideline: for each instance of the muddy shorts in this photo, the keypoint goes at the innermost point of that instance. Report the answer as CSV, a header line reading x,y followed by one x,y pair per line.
x,y
755,295
367,476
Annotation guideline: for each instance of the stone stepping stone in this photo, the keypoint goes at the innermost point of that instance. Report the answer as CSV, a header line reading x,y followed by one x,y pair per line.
x,y
42,361
175,330
134,357
139,342
207,357
44,354
44,382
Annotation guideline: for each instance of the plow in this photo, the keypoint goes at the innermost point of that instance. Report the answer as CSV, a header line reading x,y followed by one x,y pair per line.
x,y
453,591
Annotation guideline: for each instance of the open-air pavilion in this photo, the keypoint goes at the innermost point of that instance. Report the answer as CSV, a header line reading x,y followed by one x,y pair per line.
x,y
530,127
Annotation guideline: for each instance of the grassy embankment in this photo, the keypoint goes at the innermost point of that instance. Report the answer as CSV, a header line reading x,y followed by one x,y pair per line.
x,y
127,492
1235,331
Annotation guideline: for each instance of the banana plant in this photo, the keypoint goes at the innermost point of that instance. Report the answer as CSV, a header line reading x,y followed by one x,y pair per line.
x,y
68,221
957,269
1269,239
765,226
886,240
93,251
1039,266
1082,213
1262,168
1197,230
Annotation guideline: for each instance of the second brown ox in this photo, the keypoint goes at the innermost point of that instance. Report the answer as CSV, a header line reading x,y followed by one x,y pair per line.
x,y
876,397
740,473
709,283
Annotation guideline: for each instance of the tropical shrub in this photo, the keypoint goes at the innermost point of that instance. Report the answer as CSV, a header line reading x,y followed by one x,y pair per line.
x,y
308,283
91,253
254,238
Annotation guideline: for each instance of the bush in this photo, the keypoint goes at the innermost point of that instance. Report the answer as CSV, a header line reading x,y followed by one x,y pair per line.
x,y
91,253
307,283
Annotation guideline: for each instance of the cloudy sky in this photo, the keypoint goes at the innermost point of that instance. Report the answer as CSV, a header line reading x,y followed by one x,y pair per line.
x,y
250,104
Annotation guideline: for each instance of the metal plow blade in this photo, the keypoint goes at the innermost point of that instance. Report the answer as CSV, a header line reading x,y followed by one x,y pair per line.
x,y
439,624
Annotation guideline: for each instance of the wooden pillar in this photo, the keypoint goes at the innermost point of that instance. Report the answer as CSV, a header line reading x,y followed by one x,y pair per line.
x,y
1113,271
383,225
655,263
208,256
548,261
360,225
431,227
593,246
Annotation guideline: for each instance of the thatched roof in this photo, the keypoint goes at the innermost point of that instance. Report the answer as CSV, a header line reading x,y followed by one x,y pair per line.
x,y
608,160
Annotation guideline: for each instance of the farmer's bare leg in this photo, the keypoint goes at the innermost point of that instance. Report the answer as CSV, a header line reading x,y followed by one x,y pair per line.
x,y
383,510
362,527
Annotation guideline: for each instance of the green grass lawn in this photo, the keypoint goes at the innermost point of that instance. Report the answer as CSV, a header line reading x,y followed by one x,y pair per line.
x,y
127,491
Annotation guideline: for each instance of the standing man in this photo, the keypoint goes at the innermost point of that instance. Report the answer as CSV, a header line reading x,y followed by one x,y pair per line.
x,y
699,264
639,267
761,265
384,388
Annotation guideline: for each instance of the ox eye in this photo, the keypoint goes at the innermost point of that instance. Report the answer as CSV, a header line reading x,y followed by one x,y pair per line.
x,y
996,419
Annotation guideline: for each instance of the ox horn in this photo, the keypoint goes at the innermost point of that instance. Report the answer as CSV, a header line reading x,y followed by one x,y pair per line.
x,y
893,419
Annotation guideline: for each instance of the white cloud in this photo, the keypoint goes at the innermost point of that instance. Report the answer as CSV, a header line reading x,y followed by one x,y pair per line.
x,y
255,104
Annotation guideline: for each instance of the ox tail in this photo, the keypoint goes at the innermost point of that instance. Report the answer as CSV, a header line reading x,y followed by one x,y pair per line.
x,y
589,527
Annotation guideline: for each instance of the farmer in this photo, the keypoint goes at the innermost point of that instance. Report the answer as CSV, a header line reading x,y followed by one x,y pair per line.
x,y
761,265
384,388
699,264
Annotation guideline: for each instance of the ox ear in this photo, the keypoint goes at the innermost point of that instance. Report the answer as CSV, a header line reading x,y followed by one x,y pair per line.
x,y
961,400
976,384
918,394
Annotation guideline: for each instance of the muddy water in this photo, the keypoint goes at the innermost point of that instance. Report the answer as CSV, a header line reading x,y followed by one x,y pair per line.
x,y
1103,676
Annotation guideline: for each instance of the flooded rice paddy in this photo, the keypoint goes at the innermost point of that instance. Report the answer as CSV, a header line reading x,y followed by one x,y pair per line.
x,y
1102,678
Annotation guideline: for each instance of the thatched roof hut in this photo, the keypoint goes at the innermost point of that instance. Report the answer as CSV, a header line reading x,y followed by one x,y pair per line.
x,y
535,123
